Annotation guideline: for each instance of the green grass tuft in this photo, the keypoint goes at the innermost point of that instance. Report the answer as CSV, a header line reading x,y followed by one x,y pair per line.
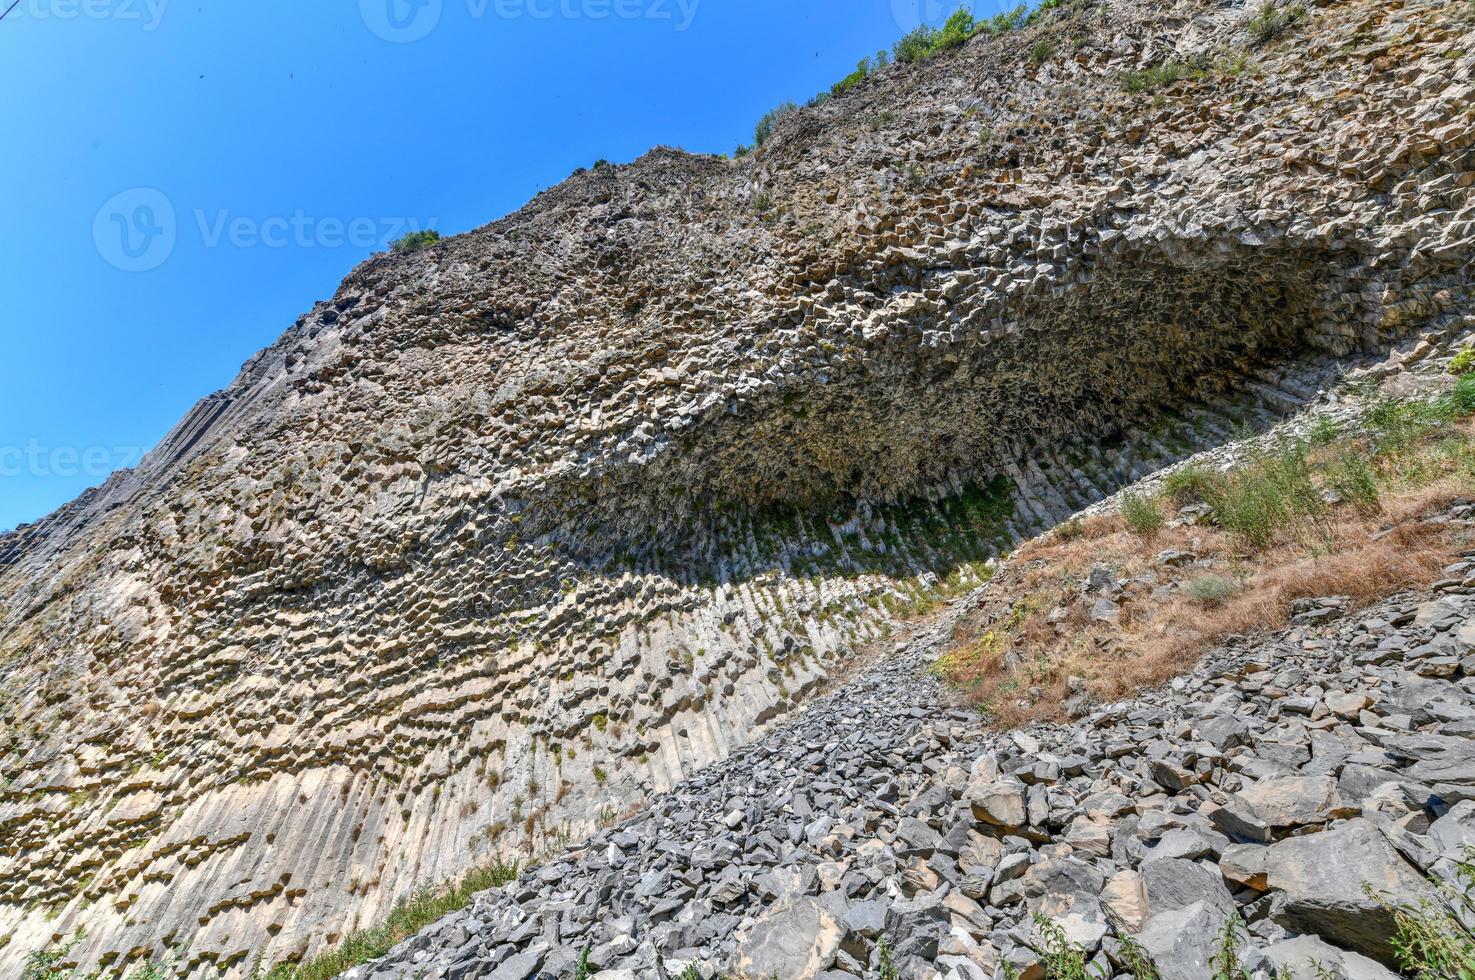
x,y
1273,20
416,241
407,918
1166,73
1210,590
1271,492
1142,514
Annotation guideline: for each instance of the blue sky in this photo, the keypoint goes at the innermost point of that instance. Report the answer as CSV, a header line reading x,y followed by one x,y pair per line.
x,y
253,153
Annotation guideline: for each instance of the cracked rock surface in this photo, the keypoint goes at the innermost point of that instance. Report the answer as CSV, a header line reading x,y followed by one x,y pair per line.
x,y
513,534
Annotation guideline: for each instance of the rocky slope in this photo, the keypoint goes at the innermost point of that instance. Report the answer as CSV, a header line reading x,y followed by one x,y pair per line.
x,y
1272,783
512,533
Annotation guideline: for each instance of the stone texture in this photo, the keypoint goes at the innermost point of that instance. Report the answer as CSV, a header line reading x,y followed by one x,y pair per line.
x,y
513,536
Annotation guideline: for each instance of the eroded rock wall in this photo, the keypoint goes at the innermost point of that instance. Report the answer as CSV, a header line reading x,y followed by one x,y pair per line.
x,y
514,532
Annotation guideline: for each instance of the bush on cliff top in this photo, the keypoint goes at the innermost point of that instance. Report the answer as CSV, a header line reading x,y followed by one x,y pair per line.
x,y
415,241
917,45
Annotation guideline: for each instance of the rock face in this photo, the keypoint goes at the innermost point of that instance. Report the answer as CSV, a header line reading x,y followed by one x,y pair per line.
x,y
514,533
860,826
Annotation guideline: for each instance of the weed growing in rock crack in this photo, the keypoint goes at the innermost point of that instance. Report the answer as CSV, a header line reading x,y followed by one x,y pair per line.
x,y
45,964
1166,73
582,969
1272,20
1226,962
1433,940
1040,51
407,918
886,969
1136,959
1061,958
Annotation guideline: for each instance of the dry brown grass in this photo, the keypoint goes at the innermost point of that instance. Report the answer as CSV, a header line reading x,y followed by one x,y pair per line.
x,y
1013,660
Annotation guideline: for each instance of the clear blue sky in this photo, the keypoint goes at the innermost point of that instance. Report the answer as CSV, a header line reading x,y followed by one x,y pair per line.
x,y
268,128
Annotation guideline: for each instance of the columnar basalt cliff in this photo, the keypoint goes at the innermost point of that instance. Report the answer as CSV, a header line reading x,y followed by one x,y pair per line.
x,y
515,531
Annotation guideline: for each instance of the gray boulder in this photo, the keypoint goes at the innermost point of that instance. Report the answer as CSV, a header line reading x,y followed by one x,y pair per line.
x,y
1324,880
1308,958
796,939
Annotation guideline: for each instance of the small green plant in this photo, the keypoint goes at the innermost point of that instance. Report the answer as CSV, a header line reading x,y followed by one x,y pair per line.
x,y
1142,514
1071,529
1462,398
45,964
864,69
1432,941
1464,361
766,125
582,969
1324,431
1270,493
1187,485
1164,74
152,971
1350,476
1210,590
926,41
1272,20
1136,959
415,241
406,919
1061,958
1225,961
1041,51
887,966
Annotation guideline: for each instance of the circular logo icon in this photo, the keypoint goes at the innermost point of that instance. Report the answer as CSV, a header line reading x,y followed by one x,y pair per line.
x,y
135,231
400,21
911,14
